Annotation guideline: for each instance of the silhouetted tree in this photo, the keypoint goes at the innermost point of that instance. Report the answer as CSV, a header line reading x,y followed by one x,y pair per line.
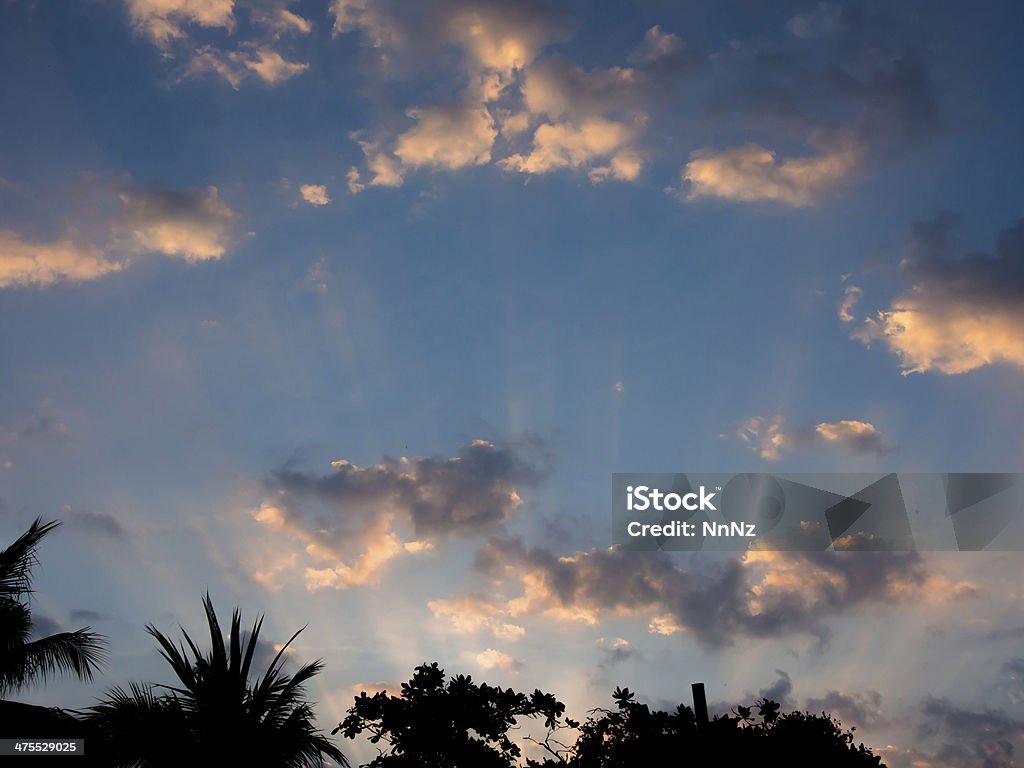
x,y
634,736
214,713
458,724
24,661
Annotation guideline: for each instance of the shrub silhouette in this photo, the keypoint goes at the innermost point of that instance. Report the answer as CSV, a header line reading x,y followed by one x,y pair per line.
x,y
215,715
458,724
24,661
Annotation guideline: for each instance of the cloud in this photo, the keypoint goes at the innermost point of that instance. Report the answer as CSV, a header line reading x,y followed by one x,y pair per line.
x,y
315,194
166,20
594,119
354,520
494,40
615,652
491,35
852,296
234,66
271,67
566,145
96,522
770,438
762,594
840,91
43,263
476,613
752,173
277,17
447,137
558,115
177,26
958,314
862,710
989,738
82,615
664,625
780,691
193,225
495,659
859,436
848,84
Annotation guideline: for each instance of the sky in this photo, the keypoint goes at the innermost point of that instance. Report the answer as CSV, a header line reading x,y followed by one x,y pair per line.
x,y
347,311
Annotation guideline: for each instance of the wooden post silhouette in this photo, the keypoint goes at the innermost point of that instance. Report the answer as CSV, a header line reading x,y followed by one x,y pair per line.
x,y
700,704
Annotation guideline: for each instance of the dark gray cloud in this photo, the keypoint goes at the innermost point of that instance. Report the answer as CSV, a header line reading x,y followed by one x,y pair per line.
x,y
968,738
470,493
781,690
97,522
933,265
718,603
78,616
861,709
844,71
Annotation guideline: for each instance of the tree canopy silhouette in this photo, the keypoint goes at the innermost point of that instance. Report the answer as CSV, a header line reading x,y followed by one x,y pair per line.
x,y
434,724
462,724
634,736
24,661
214,713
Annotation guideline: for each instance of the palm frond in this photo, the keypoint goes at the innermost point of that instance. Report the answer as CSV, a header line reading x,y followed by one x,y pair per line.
x,y
15,624
218,653
17,560
235,637
80,653
250,648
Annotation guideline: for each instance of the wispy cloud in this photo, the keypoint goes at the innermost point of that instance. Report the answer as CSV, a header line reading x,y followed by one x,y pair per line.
x,y
752,173
185,30
770,437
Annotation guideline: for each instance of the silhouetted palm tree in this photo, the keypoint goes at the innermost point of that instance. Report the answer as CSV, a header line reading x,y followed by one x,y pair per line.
x,y
24,661
214,713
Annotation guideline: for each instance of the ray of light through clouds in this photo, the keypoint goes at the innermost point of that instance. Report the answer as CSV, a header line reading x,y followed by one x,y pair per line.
x,y
347,309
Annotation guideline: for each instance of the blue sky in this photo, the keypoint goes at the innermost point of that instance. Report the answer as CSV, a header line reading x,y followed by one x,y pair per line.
x,y
348,310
